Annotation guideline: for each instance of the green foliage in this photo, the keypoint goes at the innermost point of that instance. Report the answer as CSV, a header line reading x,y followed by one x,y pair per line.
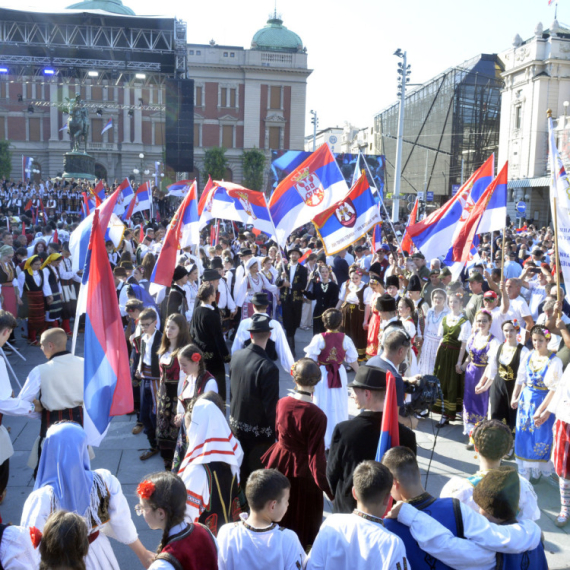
x,y
165,183
253,163
215,163
5,159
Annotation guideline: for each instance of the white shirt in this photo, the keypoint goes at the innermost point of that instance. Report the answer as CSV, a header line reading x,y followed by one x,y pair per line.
x,y
560,403
352,542
484,539
147,358
518,309
17,551
537,295
451,321
292,269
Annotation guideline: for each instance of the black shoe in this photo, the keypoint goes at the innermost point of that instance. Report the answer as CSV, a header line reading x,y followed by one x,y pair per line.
x,y
442,422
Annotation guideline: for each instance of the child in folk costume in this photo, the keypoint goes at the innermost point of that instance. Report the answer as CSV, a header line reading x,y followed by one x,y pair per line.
x,y
257,542
431,338
560,407
9,290
175,337
537,380
374,322
65,481
210,469
162,502
482,352
330,349
53,291
31,282
454,331
354,303
51,205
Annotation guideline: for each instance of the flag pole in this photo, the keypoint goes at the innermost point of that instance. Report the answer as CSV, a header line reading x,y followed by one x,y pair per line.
x,y
557,257
503,254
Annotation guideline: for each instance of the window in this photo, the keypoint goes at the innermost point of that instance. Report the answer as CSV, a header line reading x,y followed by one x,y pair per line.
x,y
274,137
159,134
224,97
191,52
198,52
198,102
232,54
275,98
228,136
518,116
196,134
2,128
228,97
96,93
225,54
96,128
35,129
233,98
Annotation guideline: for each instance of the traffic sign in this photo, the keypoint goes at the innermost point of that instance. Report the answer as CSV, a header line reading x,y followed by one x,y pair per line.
x,y
411,198
521,208
421,196
429,196
455,188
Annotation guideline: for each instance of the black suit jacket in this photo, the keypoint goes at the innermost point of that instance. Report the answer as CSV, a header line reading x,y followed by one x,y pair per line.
x,y
298,285
352,442
155,369
254,392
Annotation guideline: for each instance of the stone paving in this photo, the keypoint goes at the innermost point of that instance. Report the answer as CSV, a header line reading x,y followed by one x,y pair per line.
x,y
120,452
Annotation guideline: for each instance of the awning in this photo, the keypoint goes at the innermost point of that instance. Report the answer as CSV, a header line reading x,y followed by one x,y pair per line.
x,y
529,182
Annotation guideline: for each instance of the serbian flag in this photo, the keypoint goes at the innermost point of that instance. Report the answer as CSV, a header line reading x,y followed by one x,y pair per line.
x,y
463,241
305,256
214,233
96,197
28,206
182,232
433,234
377,237
348,220
140,203
27,165
55,238
107,388
179,188
108,126
407,241
309,190
523,229
125,196
205,195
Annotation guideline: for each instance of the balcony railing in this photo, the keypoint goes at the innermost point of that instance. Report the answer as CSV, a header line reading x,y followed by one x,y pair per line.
x,y
102,146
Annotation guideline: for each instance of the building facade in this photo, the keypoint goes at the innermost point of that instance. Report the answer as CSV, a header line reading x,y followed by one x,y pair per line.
x,y
537,78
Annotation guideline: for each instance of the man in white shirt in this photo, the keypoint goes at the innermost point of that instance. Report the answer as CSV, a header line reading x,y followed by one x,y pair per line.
x,y
359,540
535,280
518,307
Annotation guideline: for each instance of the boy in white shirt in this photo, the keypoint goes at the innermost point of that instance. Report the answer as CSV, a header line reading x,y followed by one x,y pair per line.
x,y
257,541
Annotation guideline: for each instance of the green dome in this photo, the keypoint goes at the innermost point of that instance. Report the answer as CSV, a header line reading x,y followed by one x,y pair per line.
x,y
276,37
113,6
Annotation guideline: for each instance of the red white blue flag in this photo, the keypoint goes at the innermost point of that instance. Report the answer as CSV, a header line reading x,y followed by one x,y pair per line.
x,y
349,219
179,188
126,194
309,190
377,237
390,432
107,386
27,165
108,126
140,203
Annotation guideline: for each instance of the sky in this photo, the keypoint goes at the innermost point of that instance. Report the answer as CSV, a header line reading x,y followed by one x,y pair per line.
x,y
350,45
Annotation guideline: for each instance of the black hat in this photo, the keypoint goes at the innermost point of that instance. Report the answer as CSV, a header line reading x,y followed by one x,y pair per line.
x,y
322,257
260,299
392,280
216,263
415,284
386,303
245,251
498,493
260,323
369,377
179,273
358,249
294,248
210,275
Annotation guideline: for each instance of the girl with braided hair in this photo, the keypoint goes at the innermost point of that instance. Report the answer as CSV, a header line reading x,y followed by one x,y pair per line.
x,y
537,380
162,502
492,439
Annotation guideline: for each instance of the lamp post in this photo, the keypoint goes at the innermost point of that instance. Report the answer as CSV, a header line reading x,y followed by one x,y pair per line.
x,y
404,72
315,121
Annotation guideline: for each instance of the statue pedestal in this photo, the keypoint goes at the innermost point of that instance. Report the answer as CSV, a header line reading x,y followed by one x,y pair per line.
x,y
78,165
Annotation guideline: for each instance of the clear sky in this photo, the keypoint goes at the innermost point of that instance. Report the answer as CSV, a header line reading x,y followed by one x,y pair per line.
x,y
350,43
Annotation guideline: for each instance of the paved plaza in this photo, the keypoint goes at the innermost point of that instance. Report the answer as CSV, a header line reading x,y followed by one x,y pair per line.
x,y
120,452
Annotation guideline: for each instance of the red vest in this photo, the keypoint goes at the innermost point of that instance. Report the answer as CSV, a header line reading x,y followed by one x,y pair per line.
x,y
192,549
332,357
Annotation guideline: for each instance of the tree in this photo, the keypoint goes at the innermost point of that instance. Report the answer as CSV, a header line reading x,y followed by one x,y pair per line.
x,y
253,163
215,163
5,159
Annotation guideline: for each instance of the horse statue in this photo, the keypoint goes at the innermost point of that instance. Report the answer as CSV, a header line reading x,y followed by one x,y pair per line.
x,y
77,124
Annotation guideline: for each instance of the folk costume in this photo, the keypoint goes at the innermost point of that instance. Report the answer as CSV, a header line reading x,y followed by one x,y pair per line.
x,y
65,481
354,300
52,288
330,350
373,327
249,285
210,469
432,338
533,445
325,296
33,308
9,283
300,455
16,549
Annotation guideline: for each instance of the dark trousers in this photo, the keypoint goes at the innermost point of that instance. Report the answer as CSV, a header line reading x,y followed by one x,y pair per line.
x,y
253,450
4,474
147,416
215,366
292,313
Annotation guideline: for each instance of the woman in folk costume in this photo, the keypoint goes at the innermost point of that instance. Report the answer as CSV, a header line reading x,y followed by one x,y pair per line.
x,y
31,282
271,274
51,205
300,453
52,292
9,289
210,468
253,282
454,331
330,349
191,290
481,354
537,380
68,280
65,481
432,338
197,381
407,316
374,322
176,302
175,337
206,333
354,303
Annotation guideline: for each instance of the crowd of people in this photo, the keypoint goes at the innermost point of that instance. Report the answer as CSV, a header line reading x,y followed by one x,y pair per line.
x,y
245,471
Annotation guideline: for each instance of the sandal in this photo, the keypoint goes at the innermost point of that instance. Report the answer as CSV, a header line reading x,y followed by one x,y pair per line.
x,y
148,454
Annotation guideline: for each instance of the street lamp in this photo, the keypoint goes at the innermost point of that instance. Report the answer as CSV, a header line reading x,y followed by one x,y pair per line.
x,y
315,121
142,168
403,72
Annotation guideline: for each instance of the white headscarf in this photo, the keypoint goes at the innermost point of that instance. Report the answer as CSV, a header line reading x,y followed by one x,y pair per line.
x,y
210,439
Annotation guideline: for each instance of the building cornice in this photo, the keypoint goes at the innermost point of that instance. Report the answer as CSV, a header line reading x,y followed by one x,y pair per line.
x,y
249,68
